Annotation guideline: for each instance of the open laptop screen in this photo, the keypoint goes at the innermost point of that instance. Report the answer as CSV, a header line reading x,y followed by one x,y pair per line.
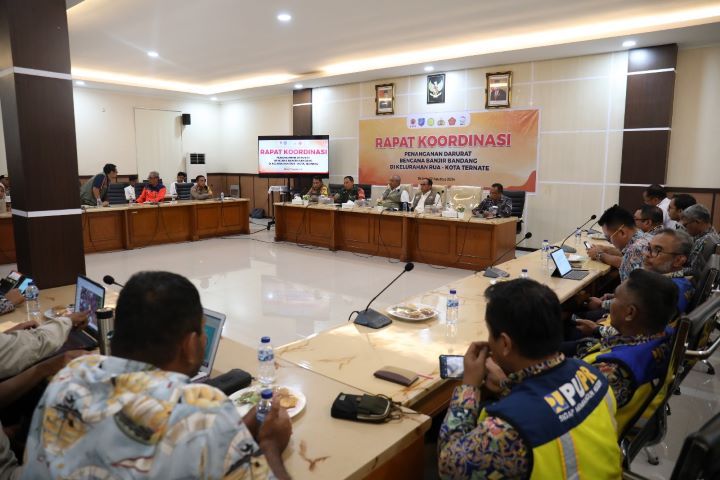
x,y
90,296
561,262
214,322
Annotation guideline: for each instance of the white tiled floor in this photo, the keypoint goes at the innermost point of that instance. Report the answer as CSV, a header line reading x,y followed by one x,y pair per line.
x,y
277,289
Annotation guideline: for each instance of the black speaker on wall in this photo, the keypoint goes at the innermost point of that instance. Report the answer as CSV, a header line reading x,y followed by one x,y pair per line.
x,y
186,119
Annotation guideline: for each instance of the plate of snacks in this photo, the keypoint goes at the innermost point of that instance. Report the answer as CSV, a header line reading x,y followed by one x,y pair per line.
x,y
59,311
412,312
292,399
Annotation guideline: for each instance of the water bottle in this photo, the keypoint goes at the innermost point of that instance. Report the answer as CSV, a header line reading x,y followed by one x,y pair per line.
x,y
453,304
545,251
266,360
222,196
263,408
578,234
32,300
99,202
524,273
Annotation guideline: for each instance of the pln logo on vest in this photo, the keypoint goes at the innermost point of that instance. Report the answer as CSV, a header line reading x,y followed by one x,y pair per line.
x,y
574,394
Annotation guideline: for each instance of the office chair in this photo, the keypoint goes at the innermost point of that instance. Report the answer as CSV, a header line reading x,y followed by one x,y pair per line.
x,y
183,191
116,194
518,206
650,424
708,282
699,457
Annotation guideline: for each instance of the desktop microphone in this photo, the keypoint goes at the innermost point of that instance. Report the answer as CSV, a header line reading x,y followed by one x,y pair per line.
x,y
111,281
372,318
591,230
568,248
493,272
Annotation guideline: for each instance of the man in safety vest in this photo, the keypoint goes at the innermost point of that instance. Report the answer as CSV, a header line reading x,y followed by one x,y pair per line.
x,y
636,359
555,417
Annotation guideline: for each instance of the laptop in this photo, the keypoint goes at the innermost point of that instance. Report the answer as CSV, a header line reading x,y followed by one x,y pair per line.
x,y
563,268
89,295
214,323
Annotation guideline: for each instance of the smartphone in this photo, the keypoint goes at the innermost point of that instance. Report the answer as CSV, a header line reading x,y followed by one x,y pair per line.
x,y
587,244
451,366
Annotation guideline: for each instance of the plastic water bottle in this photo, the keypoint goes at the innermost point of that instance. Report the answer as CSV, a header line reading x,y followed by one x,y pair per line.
x,y
32,300
453,305
266,361
524,273
264,406
544,253
222,196
578,234
99,202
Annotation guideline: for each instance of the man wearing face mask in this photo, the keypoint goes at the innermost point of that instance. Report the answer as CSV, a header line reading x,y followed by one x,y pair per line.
x,y
555,416
136,414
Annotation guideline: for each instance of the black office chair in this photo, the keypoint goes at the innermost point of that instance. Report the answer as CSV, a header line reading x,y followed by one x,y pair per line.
x,y
518,205
650,424
367,189
183,191
139,188
335,188
699,457
116,194
707,281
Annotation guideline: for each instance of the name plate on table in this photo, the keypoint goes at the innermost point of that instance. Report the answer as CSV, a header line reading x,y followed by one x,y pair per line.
x,y
348,206
450,214
297,201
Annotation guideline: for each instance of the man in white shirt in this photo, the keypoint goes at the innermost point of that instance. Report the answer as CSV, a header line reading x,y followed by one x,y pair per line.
x,y
181,178
130,189
656,196
425,197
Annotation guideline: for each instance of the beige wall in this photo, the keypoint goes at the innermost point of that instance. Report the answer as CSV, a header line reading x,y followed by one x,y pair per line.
x,y
242,122
695,137
227,133
105,128
581,102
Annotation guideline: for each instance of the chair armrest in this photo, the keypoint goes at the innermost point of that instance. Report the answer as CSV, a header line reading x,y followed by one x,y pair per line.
x,y
703,354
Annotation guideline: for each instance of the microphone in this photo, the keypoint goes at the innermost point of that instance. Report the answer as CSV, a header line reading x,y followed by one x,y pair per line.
x,y
111,281
592,231
372,318
493,272
568,248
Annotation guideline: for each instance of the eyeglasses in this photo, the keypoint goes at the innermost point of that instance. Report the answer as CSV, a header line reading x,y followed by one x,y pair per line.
x,y
654,251
609,239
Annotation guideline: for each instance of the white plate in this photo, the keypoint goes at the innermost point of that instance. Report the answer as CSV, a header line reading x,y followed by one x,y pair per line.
x,y
403,311
597,236
244,408
51,316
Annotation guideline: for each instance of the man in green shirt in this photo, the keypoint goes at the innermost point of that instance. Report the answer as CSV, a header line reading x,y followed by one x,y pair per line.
x,y
349,192
94,191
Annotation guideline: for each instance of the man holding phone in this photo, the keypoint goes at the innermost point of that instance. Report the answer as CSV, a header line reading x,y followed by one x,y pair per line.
x,y
535,383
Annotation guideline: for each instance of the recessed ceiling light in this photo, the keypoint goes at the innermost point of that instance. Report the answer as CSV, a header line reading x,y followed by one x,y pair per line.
x,y
629,43
298,86
153,54
284,17
429,68
214,99
79,83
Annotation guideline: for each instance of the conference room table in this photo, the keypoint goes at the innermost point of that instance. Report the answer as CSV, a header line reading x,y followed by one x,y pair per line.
x,y
352,353
468,242
132,226
321,447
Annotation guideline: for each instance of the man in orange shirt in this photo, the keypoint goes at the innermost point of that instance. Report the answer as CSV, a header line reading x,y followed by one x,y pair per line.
x,y
154,191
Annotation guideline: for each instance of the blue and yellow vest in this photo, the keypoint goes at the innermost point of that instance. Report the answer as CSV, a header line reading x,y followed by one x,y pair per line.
x,y
566,416
646,363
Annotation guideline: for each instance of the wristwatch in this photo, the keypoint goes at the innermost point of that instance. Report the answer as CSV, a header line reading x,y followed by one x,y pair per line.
x,y
599,257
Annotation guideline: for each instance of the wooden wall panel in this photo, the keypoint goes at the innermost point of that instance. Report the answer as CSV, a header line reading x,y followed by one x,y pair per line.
x,y
644,157
260,193
643,108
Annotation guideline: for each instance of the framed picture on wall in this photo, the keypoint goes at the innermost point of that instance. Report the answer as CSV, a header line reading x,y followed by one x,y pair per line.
x,y
385,99
498,90
436,88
